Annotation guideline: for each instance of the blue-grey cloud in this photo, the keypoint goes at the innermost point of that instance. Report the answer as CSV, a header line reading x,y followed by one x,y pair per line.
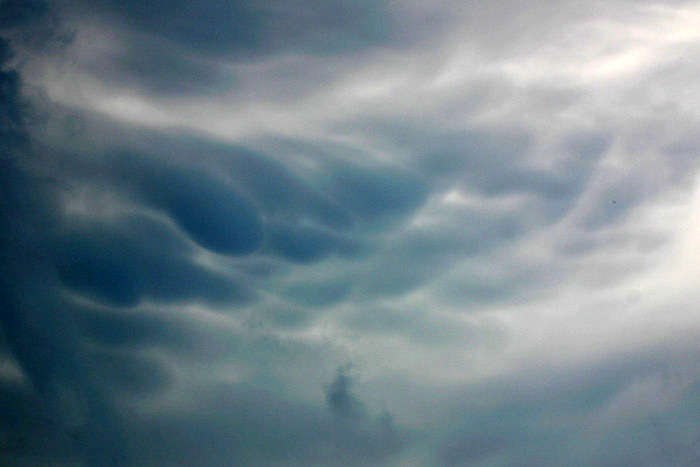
x,y
207,209
173,48
543,418
132,261
251,426
339,396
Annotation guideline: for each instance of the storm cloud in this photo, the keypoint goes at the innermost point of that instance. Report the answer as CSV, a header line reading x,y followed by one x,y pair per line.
x,y
349,233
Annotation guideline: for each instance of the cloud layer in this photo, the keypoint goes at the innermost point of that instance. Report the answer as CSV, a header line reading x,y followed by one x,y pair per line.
x,y
349,233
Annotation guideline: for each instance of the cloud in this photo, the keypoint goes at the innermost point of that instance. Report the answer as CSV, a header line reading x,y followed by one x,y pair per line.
x,y
207,209
137,259
338,396
252,426
34,324
214,215
545,417
185,50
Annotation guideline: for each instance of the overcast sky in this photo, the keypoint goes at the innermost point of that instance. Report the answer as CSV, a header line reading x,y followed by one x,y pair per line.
x,y
349,232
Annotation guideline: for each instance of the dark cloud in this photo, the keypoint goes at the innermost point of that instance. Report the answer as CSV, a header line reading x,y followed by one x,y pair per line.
x,y
168,298
251,28
248,202
247,425
375,194
39,339
305,244
168,47
98,268
278,191
11,106
28,436
130,373
339,397
14,13
135,259
212,213
115,328
318,294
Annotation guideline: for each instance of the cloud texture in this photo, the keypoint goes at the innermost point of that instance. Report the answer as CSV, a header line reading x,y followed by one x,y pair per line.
x,y
349,233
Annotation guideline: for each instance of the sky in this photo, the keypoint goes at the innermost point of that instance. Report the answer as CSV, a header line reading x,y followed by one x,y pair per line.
x,y
350,232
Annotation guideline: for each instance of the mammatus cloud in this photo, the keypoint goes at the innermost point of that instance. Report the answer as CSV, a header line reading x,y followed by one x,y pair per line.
x,y
50,396
207,210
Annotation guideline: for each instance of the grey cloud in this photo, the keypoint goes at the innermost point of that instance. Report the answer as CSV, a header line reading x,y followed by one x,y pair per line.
x,y
304,244
280,316
253,28
26,426
339,397
426,253
37,332
415,328
196,308
147,253
115,328
129,373
251,426
213,214
173,47
259,204
494,161
376,194
618,194
279,191
132,260
18,12
160,70
544,418
323,293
